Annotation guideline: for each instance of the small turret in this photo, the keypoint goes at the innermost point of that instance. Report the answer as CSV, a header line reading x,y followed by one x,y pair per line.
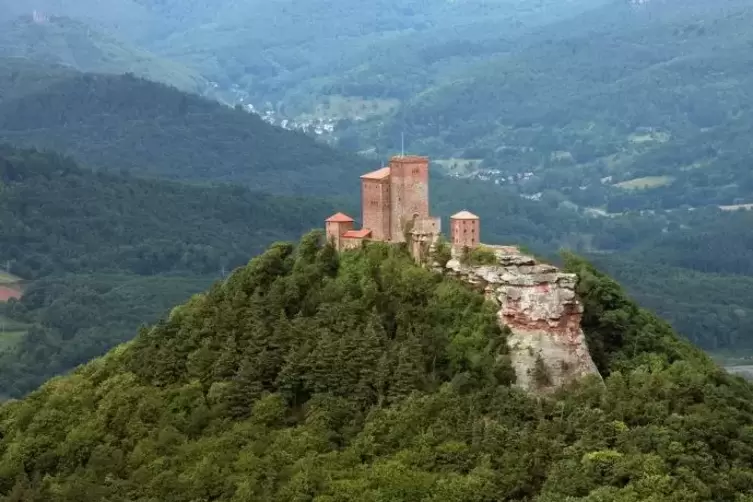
x,y
465,230
337,225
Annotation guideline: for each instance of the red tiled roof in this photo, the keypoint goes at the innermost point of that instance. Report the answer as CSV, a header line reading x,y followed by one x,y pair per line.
x,y
8,293
340,218
357,234
379,174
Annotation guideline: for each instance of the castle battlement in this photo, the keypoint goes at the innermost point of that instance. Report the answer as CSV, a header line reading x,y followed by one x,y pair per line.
x,y
395,208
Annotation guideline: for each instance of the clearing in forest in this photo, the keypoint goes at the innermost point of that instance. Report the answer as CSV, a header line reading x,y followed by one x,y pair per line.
x,y
645,183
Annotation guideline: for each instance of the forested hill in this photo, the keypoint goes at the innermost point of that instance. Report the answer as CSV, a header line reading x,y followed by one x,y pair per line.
x,y
105,253
126,123
20,76
57,217
72,42
312,376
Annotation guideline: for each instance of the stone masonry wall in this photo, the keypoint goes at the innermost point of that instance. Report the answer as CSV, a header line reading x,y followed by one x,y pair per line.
x,y
409,193
375,207
538,303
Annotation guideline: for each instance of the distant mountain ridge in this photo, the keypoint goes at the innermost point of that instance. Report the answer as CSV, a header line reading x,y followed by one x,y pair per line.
x,y
127,123
71,42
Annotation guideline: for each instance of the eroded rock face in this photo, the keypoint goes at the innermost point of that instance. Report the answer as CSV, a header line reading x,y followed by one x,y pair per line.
x,y
538,303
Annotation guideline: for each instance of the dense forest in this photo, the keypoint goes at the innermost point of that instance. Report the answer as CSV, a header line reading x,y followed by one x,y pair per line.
x,y
124,123
115,222
312,376
71,42
107,252
277,52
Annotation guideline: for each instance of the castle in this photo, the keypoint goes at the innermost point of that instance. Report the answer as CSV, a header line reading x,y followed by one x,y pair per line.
x,y
395,208
536,301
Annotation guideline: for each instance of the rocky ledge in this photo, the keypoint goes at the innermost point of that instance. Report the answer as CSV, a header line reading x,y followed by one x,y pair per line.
x,y
539,305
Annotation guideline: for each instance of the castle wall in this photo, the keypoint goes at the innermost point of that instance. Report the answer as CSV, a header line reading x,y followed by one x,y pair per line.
x,y
335,230
423,236
409,193
375,207
351,243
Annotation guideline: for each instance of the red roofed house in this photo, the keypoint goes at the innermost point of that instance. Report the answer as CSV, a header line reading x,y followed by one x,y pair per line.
x,y
9,293
394,208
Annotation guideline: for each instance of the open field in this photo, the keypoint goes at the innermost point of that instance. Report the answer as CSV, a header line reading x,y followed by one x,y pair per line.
x,y
645,182
11,333
6,278
459,167
649,137
339,107
736,207
9,339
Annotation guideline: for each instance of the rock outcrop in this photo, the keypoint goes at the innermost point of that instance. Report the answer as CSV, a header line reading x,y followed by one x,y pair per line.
x,y
539,305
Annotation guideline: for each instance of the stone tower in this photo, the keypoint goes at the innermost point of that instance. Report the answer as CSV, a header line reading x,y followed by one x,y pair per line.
x,y
465,230
409,193
375,203
337,225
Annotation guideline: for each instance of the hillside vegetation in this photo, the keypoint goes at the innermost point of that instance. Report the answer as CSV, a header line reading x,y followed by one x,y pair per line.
x,y
123,123
593,105
109,252
276,51
20,76
614,105
308,376
131,226
71,42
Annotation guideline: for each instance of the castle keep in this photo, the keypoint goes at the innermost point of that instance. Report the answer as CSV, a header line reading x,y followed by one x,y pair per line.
x,y
395,208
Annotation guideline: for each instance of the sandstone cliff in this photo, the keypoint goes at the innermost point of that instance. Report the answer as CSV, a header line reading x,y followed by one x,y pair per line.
x,y
539,305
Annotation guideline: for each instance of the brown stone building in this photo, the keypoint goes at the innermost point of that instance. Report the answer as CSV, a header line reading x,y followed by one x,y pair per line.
x,y
395,208
465,230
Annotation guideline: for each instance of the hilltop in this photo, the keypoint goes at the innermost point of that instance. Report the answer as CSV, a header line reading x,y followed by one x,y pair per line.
x,y
118,124
107,252
312,376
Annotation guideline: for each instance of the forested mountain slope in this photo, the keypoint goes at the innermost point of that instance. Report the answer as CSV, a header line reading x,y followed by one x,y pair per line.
x,y
126,123
71,42
276,50
308,376
107,252
625,107
20,76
